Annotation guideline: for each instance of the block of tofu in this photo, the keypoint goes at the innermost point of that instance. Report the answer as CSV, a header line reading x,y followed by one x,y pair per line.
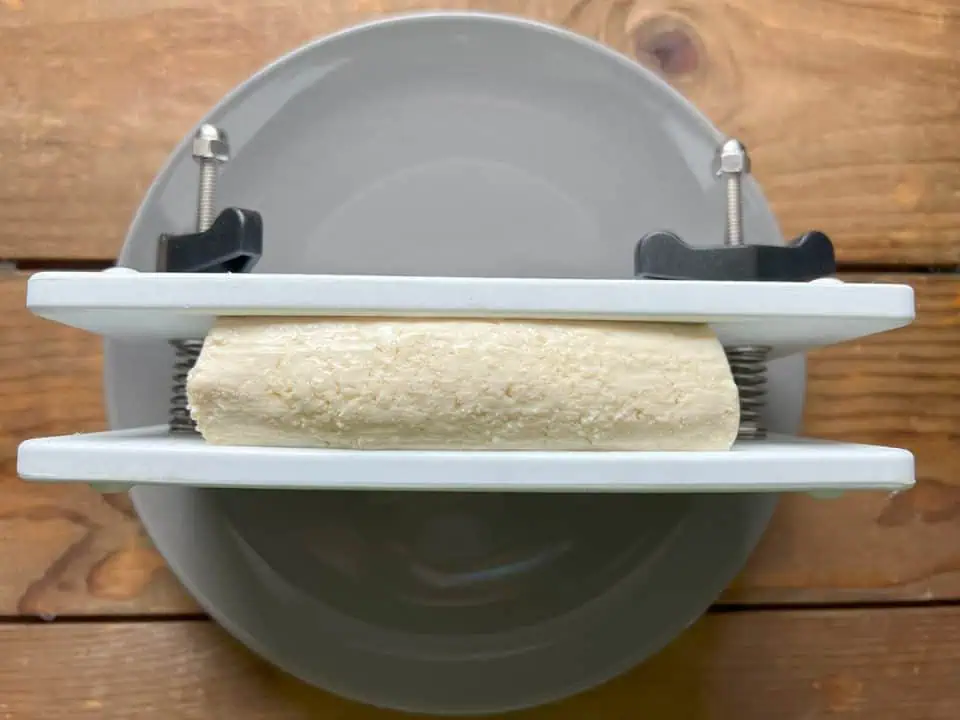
x,y
440,384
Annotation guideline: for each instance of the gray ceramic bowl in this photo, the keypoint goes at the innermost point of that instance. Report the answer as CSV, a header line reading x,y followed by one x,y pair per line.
x,y
450,144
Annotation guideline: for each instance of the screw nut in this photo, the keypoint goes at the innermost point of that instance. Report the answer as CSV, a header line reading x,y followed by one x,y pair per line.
x,y
211,143
731,159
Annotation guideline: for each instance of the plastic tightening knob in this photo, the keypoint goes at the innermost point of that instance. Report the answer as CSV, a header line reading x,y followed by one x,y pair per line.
x,y
233,243
664,256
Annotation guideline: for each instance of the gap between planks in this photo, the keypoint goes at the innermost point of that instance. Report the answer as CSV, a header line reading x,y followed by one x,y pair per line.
x,y
720,608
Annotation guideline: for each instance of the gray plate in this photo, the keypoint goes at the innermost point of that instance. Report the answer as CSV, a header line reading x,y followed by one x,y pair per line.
x,y
450,144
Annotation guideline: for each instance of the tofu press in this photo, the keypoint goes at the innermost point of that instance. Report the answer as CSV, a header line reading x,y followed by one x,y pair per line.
x,y
459,165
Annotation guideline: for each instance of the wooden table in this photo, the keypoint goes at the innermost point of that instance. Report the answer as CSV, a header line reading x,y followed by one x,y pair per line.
x,y
852,112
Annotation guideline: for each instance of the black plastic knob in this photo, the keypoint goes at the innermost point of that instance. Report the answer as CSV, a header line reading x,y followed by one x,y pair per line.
x,y
664,256
232,244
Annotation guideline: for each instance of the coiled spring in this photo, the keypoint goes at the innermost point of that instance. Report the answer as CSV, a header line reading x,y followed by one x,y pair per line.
x,y
749,366
210,148
187,352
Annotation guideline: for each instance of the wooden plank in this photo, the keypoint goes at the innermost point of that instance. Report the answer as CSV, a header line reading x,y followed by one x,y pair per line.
x,y
883,664
898,389
850,108
69,551
64,548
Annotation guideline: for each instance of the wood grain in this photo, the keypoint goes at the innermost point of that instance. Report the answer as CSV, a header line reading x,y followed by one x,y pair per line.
x,y
64,548
67,550
899,389
803,665
850,108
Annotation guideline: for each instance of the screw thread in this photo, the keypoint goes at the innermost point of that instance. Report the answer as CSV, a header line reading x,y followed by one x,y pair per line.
x,y
206,194
734,227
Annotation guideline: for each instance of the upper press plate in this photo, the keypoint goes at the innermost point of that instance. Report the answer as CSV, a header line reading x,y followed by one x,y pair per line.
x,y
789,317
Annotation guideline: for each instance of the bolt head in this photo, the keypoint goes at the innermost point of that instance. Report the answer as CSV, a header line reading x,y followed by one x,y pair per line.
x,y
211,143
731,159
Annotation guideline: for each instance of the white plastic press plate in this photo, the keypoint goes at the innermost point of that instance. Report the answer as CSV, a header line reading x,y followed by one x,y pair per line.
x,y
149,456
790,317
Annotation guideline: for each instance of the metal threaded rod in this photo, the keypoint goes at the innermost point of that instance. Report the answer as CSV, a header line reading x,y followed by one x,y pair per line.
x,y
206,194
748,364
734,236
210,149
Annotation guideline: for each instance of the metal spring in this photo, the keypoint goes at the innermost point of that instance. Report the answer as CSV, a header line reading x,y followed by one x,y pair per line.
x,y
749,366
187,352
